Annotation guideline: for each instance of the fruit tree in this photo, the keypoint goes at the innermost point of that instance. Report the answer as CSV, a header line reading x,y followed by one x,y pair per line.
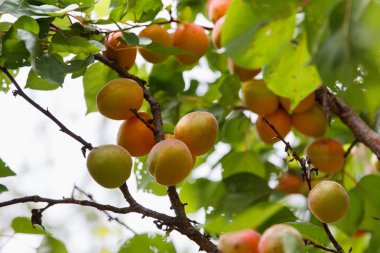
x,y
200,125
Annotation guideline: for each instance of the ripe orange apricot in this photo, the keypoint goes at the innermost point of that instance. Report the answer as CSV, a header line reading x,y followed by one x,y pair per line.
x,y
275,237
157,34
281,121
198,130
311,122
191,38
326,154
109,165
216,32
118,96
239,242
170,162
328,201
135,136
302,106
171,136
290,183
115,50
258,98
217,9
244,74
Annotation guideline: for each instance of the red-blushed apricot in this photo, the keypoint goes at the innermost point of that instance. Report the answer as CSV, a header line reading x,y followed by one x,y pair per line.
x,y
170,162
302,106
326,154
244,74
328,201
117,97
217,9
290,183
157,34
311,122
216,32
243,241
198,130
281,121
171,136
275,237
193,39
124,55
135,136
258,98
109,165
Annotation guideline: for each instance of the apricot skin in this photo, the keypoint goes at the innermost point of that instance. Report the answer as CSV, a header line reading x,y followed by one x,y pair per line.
x,y
311,122
216,32
272,241
326,154
258,98
135,136
170,162
171,136
239,242
302,106
109,165
328,201
244,74
115,50
191,38
290,183
157,34
281,121
217,9
117,97
198,130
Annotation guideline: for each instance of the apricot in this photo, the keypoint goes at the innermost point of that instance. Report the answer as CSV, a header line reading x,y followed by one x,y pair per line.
x,y
191,38
302,106
244,74
171,136
275,237
198,130
326,154
135,136
124,55
258,98
281,121
239,242
157,34
290,183
311,122
109,165
170,162
216,32
217,9
328,201
117,97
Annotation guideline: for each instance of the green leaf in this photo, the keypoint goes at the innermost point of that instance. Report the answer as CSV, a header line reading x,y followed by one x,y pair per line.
x,y
96,76
5,171
311,232
143,10
229,90
49,68
51,245
24,225
32,42
147,243
290,73
3,188
188,9
246,161
234,129
27,23
74,45
36,82
350,223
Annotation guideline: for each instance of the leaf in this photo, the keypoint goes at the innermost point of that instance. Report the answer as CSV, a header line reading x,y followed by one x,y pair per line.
x,y
3,188
5,171
96,76
234,129
24,225
74,45
49,68
147,243
32,42
350,223
143,10
50,244
290,74
145,181
229,90
36,82
311,232
238,162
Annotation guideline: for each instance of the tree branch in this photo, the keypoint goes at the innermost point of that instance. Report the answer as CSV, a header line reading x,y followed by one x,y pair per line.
x,y
315,245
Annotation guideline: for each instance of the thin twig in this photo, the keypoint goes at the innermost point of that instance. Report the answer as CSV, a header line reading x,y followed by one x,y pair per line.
x,y
315,245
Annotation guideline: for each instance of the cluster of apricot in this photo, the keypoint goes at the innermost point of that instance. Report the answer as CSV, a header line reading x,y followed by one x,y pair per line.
x,y
169,161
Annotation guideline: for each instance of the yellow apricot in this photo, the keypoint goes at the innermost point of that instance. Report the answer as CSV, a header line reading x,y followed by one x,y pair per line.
x,y
311,122
135,136
157,34
326,154
217,9
258,98
328,201
244,74
171,136
124,55
109,165
275,237
198,130
191,38
242,241
302,106
169,162
118,96
216,32
281,121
